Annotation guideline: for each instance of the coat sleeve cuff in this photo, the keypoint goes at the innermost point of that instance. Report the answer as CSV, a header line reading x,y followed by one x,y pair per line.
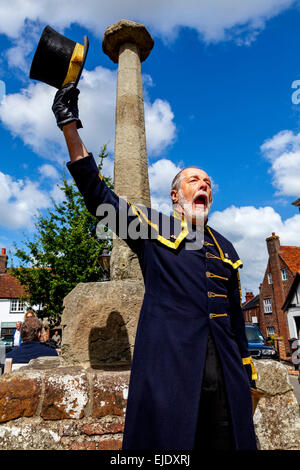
x,y
248,360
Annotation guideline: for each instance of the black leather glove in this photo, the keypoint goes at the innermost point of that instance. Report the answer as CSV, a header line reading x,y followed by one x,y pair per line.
x,y
249,373
65,106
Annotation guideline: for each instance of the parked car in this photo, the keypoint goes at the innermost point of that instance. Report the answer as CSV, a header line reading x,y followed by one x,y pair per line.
x,y
8,342
257,343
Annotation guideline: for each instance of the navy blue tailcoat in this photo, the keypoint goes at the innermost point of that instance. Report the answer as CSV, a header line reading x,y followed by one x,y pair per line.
x,y
191,291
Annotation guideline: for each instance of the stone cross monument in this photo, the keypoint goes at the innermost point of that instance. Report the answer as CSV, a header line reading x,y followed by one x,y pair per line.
x,y
100,318
128,44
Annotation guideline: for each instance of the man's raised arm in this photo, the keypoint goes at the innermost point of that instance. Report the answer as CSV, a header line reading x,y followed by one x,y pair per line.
x,y
100,200
65,109
75,145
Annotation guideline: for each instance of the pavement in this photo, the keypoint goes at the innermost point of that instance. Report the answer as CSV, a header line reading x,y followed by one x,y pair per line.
x,y
293,377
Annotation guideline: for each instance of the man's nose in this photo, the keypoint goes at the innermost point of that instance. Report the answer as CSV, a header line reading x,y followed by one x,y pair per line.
x,y
203,185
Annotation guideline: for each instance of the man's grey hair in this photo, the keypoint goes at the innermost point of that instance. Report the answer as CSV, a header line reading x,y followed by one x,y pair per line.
x,y
177,179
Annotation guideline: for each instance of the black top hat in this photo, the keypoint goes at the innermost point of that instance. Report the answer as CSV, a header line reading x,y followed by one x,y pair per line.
x,y
57,59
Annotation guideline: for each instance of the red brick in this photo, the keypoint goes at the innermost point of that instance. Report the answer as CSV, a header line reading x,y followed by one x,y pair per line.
x,y
19,397
110,395
66,394
105,428
110,444
85,445
280,257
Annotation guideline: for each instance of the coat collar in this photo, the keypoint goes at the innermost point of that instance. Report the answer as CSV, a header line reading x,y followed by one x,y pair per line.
x,y
180,228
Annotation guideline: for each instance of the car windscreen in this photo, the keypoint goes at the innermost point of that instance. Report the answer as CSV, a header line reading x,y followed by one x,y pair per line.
x,y
254,335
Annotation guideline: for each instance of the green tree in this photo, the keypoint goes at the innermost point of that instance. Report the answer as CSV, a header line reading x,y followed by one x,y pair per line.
x,y
63,251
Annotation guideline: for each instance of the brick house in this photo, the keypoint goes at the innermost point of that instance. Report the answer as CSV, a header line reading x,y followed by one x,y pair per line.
x,y
251,308
282,267
11,307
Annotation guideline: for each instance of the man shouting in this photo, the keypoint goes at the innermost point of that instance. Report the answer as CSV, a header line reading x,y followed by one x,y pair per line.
x,y
191,369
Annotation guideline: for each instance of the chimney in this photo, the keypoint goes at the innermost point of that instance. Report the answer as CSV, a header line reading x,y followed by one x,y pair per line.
x,y
3,261
249,296
273,244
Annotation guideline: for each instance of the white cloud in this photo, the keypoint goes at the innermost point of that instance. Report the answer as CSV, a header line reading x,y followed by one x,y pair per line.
x,y
22,46
28,115
283,152
19,202
16,56
160,128
161,174
215,20
48,171
243,227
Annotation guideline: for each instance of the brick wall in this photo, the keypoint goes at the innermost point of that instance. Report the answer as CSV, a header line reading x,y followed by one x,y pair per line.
x,y
62,407
3,261
276,291
51,406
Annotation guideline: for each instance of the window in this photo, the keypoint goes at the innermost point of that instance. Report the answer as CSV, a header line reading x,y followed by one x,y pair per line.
x,y
253,334
267,305
270,330
269,278
284,275
16,306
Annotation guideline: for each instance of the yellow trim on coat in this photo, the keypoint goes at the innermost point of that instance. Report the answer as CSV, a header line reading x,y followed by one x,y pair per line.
x,y
213,294
181,236
248,360
215,315
211,255
211,275
176,215
75,64
225,260
136,211
240,289
160,238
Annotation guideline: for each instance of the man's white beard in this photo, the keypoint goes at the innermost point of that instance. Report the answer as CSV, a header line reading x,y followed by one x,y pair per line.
x,y
197,216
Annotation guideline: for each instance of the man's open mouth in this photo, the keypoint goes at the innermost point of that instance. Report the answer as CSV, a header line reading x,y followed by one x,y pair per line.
x,y
201,200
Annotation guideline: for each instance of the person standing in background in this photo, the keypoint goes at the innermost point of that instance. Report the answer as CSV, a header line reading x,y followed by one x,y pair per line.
x,y
17,335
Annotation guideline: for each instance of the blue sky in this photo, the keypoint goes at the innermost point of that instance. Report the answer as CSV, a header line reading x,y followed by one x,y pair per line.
x,y
217,92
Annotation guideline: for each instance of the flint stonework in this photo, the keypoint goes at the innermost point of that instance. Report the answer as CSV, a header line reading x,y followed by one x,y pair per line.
x,y
276,418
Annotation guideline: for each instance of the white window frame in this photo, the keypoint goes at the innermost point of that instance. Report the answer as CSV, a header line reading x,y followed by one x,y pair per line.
x,y
268,328
270,281
284,276
268,306
16,306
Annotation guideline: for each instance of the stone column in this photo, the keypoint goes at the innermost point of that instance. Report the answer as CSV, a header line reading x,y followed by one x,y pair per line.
x,y
128,44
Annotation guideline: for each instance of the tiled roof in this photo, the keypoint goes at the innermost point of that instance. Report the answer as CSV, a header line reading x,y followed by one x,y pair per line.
x,y
10,288
252,303
291,255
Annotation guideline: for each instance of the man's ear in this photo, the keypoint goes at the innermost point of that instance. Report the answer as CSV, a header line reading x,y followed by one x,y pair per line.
x,y
174,196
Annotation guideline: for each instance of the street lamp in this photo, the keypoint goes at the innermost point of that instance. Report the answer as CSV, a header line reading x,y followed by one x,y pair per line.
x,y
105,263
